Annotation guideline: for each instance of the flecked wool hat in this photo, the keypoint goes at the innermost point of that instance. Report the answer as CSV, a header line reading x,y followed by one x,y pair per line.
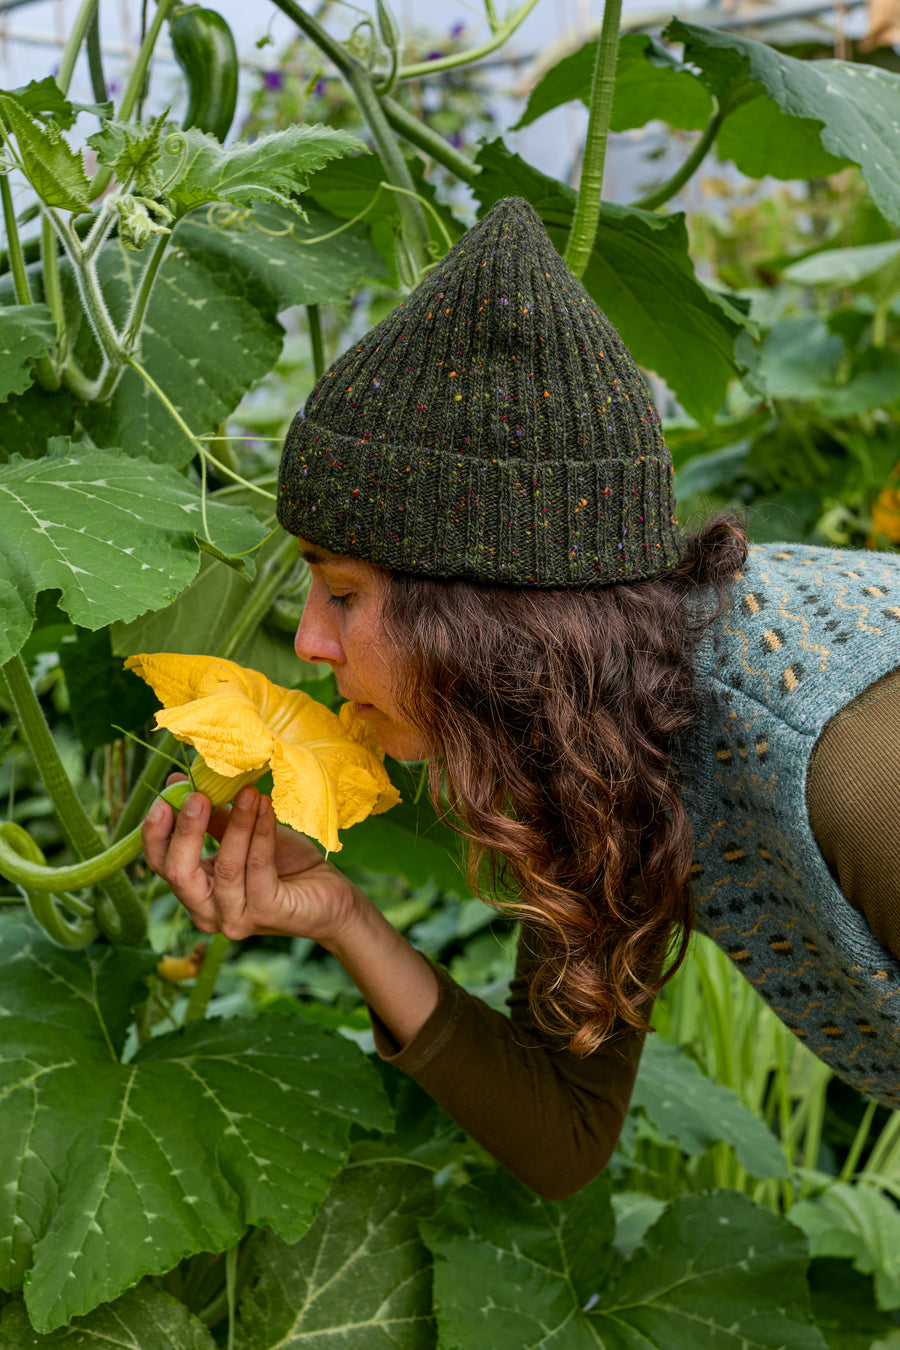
x,y
492,427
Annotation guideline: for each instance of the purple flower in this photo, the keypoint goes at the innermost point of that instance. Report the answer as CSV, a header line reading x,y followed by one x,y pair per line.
x,y
456,140
458,29
434,56
320,87
274,79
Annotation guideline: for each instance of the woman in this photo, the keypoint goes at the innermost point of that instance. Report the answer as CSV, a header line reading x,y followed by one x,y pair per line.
x,y
623,720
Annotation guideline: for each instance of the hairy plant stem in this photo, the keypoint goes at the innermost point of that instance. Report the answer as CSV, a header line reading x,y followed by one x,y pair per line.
x,y
590,189
206,981
76,37
501,31
415,230
422,136
131,335
104,331
672,185
119,913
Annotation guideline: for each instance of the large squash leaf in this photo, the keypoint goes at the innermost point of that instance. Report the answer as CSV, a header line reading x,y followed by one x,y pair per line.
x,y
115,535
145,1318
360,1278
113,1171
856,108
713,1271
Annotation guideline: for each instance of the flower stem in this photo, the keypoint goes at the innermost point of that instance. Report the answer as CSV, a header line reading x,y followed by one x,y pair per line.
x,y
314,320
131,335
501,31
690,166
206,981
587,207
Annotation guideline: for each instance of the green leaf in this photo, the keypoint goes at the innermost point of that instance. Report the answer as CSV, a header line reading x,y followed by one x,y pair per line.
x,y
271,247
360,1277
273,168
26,331
30,419
209,336
115,535
861,1223
44,97
693,1112
798,359
857,105
874,268
55,171
101,692
843,1305
133,150
713,1271
641,275
650,83
113,1171
145,1318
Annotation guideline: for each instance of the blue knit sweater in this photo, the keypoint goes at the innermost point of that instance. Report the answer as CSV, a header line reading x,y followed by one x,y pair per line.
x,y
807,630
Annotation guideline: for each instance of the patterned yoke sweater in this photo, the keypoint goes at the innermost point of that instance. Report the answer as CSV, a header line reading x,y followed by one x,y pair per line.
x,y
808,630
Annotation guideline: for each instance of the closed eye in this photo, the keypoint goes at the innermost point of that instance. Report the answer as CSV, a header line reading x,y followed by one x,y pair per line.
x,y
340,601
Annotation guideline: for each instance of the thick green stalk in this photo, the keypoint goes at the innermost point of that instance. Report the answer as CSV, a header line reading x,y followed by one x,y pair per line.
x,y
668,189
501,32
206,981
590,189
103,177
314,320
14,245
95,60
131,335
415,230
76,37
122,917
433,144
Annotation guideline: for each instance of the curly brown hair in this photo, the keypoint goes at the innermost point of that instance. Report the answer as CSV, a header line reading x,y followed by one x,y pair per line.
x,y
552,713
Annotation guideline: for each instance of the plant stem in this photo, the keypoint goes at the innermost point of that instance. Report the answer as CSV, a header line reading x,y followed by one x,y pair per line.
x,y
77,33
433,144
256,606
690,166
95,60
587,207
206,981
98,315
14,245
103,177
500,33
314,320
147,786
131,335
859,1142
395,167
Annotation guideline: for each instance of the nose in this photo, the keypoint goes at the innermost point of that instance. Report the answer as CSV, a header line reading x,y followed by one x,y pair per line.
x,y
316,638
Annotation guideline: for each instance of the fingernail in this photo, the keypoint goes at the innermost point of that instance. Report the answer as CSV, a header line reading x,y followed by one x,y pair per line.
x,y
193,806
264,805
156,813
245,798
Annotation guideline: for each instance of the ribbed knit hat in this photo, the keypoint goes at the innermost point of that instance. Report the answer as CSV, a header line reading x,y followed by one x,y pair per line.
x,y
492,427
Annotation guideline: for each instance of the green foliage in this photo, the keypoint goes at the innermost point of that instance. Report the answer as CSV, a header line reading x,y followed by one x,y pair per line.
x,y
137,395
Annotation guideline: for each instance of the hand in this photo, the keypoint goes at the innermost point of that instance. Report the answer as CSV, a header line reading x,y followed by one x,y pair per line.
x,y
264,878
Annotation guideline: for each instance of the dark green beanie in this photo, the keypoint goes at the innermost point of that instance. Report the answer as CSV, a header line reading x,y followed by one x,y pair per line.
x,y
492,427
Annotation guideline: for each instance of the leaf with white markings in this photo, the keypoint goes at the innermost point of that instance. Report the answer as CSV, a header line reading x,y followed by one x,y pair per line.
x,y
143,1319
694,1112
713,1271
271,168
117,536
113,1171
26,331
361,1276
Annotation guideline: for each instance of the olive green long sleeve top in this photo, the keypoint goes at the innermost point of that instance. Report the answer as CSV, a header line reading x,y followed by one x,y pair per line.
x,y
552,1118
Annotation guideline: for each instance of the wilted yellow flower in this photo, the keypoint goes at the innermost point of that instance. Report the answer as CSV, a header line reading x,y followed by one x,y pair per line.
x,y
327,769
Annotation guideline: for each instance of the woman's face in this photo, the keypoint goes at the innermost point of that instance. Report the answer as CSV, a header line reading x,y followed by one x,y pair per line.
x,y
341,624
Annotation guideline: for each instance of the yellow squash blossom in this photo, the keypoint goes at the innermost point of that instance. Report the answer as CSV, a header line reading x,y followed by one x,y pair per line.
x,y
327,770
886,517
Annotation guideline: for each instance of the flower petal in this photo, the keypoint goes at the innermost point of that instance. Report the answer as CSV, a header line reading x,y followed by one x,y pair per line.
x,y
226,729
176,678
304,795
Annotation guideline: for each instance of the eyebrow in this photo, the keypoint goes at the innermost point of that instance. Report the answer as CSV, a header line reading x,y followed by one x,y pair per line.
x,y
316,558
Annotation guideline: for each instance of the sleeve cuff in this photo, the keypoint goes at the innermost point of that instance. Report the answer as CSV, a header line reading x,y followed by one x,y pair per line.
x,y
432,1036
